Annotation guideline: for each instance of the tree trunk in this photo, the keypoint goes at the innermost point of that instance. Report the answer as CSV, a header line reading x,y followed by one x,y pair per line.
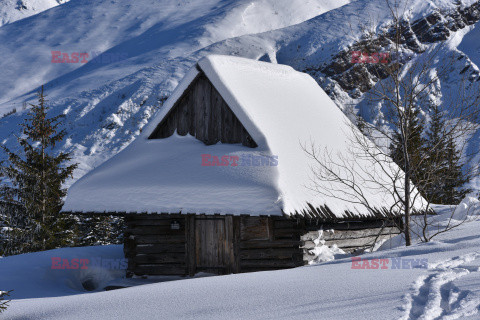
x,y
406,230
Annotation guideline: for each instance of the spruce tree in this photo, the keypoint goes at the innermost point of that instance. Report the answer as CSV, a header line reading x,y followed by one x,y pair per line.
x,y
414,129
445,181
434,152
455,179
3,301
36,176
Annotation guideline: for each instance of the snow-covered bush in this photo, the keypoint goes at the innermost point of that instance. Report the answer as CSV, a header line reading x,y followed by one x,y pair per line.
x,y
322,252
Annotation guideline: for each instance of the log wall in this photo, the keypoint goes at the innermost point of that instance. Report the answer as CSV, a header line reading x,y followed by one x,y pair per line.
x,y
152,247
223,244
210,243
268,243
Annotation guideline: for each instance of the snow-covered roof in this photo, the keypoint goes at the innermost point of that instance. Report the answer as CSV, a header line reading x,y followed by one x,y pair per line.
x,y
280,108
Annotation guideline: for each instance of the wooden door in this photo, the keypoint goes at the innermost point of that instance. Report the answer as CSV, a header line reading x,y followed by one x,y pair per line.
x,y
211,251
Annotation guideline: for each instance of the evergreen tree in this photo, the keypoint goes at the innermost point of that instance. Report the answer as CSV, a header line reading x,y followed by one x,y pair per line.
x,y
36,177
99,230
3,301
434,152
455,179
414,129
445,181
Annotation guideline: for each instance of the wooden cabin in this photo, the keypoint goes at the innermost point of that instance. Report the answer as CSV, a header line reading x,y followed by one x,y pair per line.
x,y
185,244
185,215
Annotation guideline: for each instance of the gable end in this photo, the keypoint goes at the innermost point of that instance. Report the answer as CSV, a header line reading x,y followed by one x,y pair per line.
x,y
203,113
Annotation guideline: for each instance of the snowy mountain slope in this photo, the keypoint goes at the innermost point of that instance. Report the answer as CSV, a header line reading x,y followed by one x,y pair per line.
x,y
107,103
448,289
470,44
13,10
144,33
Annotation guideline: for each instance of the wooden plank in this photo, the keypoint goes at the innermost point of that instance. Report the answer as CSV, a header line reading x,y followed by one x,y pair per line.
x,y
199,107
254,228
252,244
284,232
191,113
131,265
271,253
159,258
312,225
162,231
351,234
160,248
270,228
223,258
285,223
229,250
130,246
349,242
160,239
225,130
183,114
217,102
190,245
210,116
237,130
198,242
236,244
171,123
156,230
206,110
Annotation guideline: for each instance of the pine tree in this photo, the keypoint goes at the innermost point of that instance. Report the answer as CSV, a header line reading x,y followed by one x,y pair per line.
x,y
434,152
100,230
36,177
414,128
3,302
455,179
445,181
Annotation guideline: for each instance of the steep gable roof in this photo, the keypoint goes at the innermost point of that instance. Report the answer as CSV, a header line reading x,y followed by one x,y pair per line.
x,y
280,108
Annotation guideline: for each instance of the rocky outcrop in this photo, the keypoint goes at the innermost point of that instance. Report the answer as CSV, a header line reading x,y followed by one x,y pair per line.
x,y
358,78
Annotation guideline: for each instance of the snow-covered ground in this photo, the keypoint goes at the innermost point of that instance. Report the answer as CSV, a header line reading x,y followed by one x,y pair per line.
x,y
339,289
13,10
